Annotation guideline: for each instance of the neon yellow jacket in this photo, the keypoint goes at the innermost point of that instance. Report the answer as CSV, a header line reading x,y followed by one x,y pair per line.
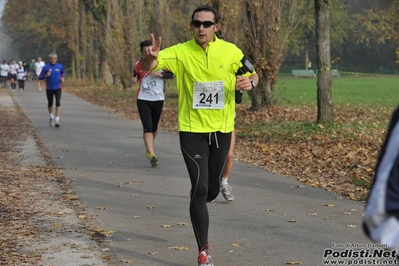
x,y
190,63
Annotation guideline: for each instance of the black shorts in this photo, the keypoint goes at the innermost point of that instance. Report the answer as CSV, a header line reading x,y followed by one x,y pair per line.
x,y
21,84
50,97
150,113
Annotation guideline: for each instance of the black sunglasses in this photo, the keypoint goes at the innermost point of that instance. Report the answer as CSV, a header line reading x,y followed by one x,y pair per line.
x,y
206,24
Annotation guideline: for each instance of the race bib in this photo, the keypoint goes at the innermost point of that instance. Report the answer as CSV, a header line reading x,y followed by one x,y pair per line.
x,y
150,83
208,95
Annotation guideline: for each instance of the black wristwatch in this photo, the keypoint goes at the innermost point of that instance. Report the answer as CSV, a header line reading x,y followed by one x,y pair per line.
x,y
253,84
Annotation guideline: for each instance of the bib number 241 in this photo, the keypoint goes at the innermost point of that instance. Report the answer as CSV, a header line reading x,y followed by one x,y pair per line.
x,y
208,95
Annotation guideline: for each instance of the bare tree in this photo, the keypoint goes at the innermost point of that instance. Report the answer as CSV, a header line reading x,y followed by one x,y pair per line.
x,y
101,29
325,112
122,41
78,43
267,43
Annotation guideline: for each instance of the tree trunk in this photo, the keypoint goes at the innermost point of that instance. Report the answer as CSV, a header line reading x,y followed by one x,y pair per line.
x,y
255,97
100,14
103,71
267,95
140,20
126,74
325,112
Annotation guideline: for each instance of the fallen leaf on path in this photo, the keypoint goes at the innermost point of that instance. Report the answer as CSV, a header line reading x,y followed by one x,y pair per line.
x,y
127,261
181,248
72,197
110,232
178,248
57,225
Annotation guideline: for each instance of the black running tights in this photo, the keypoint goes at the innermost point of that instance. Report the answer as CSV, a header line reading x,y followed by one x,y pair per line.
x,y
205,156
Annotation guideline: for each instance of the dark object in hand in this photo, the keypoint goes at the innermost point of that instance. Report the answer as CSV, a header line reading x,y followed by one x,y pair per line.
x,y
238,97
246,67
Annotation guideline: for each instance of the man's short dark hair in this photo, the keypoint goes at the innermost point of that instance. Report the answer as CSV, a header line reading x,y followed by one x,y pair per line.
x,y
207,8
144,44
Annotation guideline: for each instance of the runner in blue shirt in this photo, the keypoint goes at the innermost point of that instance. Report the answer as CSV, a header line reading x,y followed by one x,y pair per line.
x,y
53,73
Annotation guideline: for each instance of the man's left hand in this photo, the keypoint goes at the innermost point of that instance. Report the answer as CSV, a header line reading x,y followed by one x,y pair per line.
x,y
243,83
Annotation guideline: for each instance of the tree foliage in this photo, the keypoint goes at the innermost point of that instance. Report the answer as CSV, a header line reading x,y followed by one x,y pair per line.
x,y
99,39
41,26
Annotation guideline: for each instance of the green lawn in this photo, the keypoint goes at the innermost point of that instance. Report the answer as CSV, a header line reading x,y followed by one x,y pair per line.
x,y
381,91
345,90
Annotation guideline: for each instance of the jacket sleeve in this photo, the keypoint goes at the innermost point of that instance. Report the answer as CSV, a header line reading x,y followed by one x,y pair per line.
x,y
167,74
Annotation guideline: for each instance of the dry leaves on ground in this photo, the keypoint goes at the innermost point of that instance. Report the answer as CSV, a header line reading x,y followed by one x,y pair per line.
x,y
36,214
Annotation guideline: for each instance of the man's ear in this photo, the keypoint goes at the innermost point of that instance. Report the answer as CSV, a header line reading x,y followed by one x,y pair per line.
x,y
217,27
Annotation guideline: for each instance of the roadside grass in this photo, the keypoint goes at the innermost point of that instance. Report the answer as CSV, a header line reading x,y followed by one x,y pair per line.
x,y
372,98
361,105
345,90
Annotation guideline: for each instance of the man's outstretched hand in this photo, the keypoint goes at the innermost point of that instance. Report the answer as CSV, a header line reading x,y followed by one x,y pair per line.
x,y
149,60
153,50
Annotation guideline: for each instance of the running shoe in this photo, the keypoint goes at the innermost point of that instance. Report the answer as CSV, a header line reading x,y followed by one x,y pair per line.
x,y
52,123
57,124
226,193
153,158
204,258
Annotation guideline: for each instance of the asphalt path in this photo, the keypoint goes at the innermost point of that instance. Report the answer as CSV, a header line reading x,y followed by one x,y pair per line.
x,y
274,220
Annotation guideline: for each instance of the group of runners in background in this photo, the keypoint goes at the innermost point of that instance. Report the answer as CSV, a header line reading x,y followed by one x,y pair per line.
x,y
18,73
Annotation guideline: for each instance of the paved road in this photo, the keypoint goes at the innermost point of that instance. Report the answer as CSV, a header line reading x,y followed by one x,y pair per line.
x,y
269,223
